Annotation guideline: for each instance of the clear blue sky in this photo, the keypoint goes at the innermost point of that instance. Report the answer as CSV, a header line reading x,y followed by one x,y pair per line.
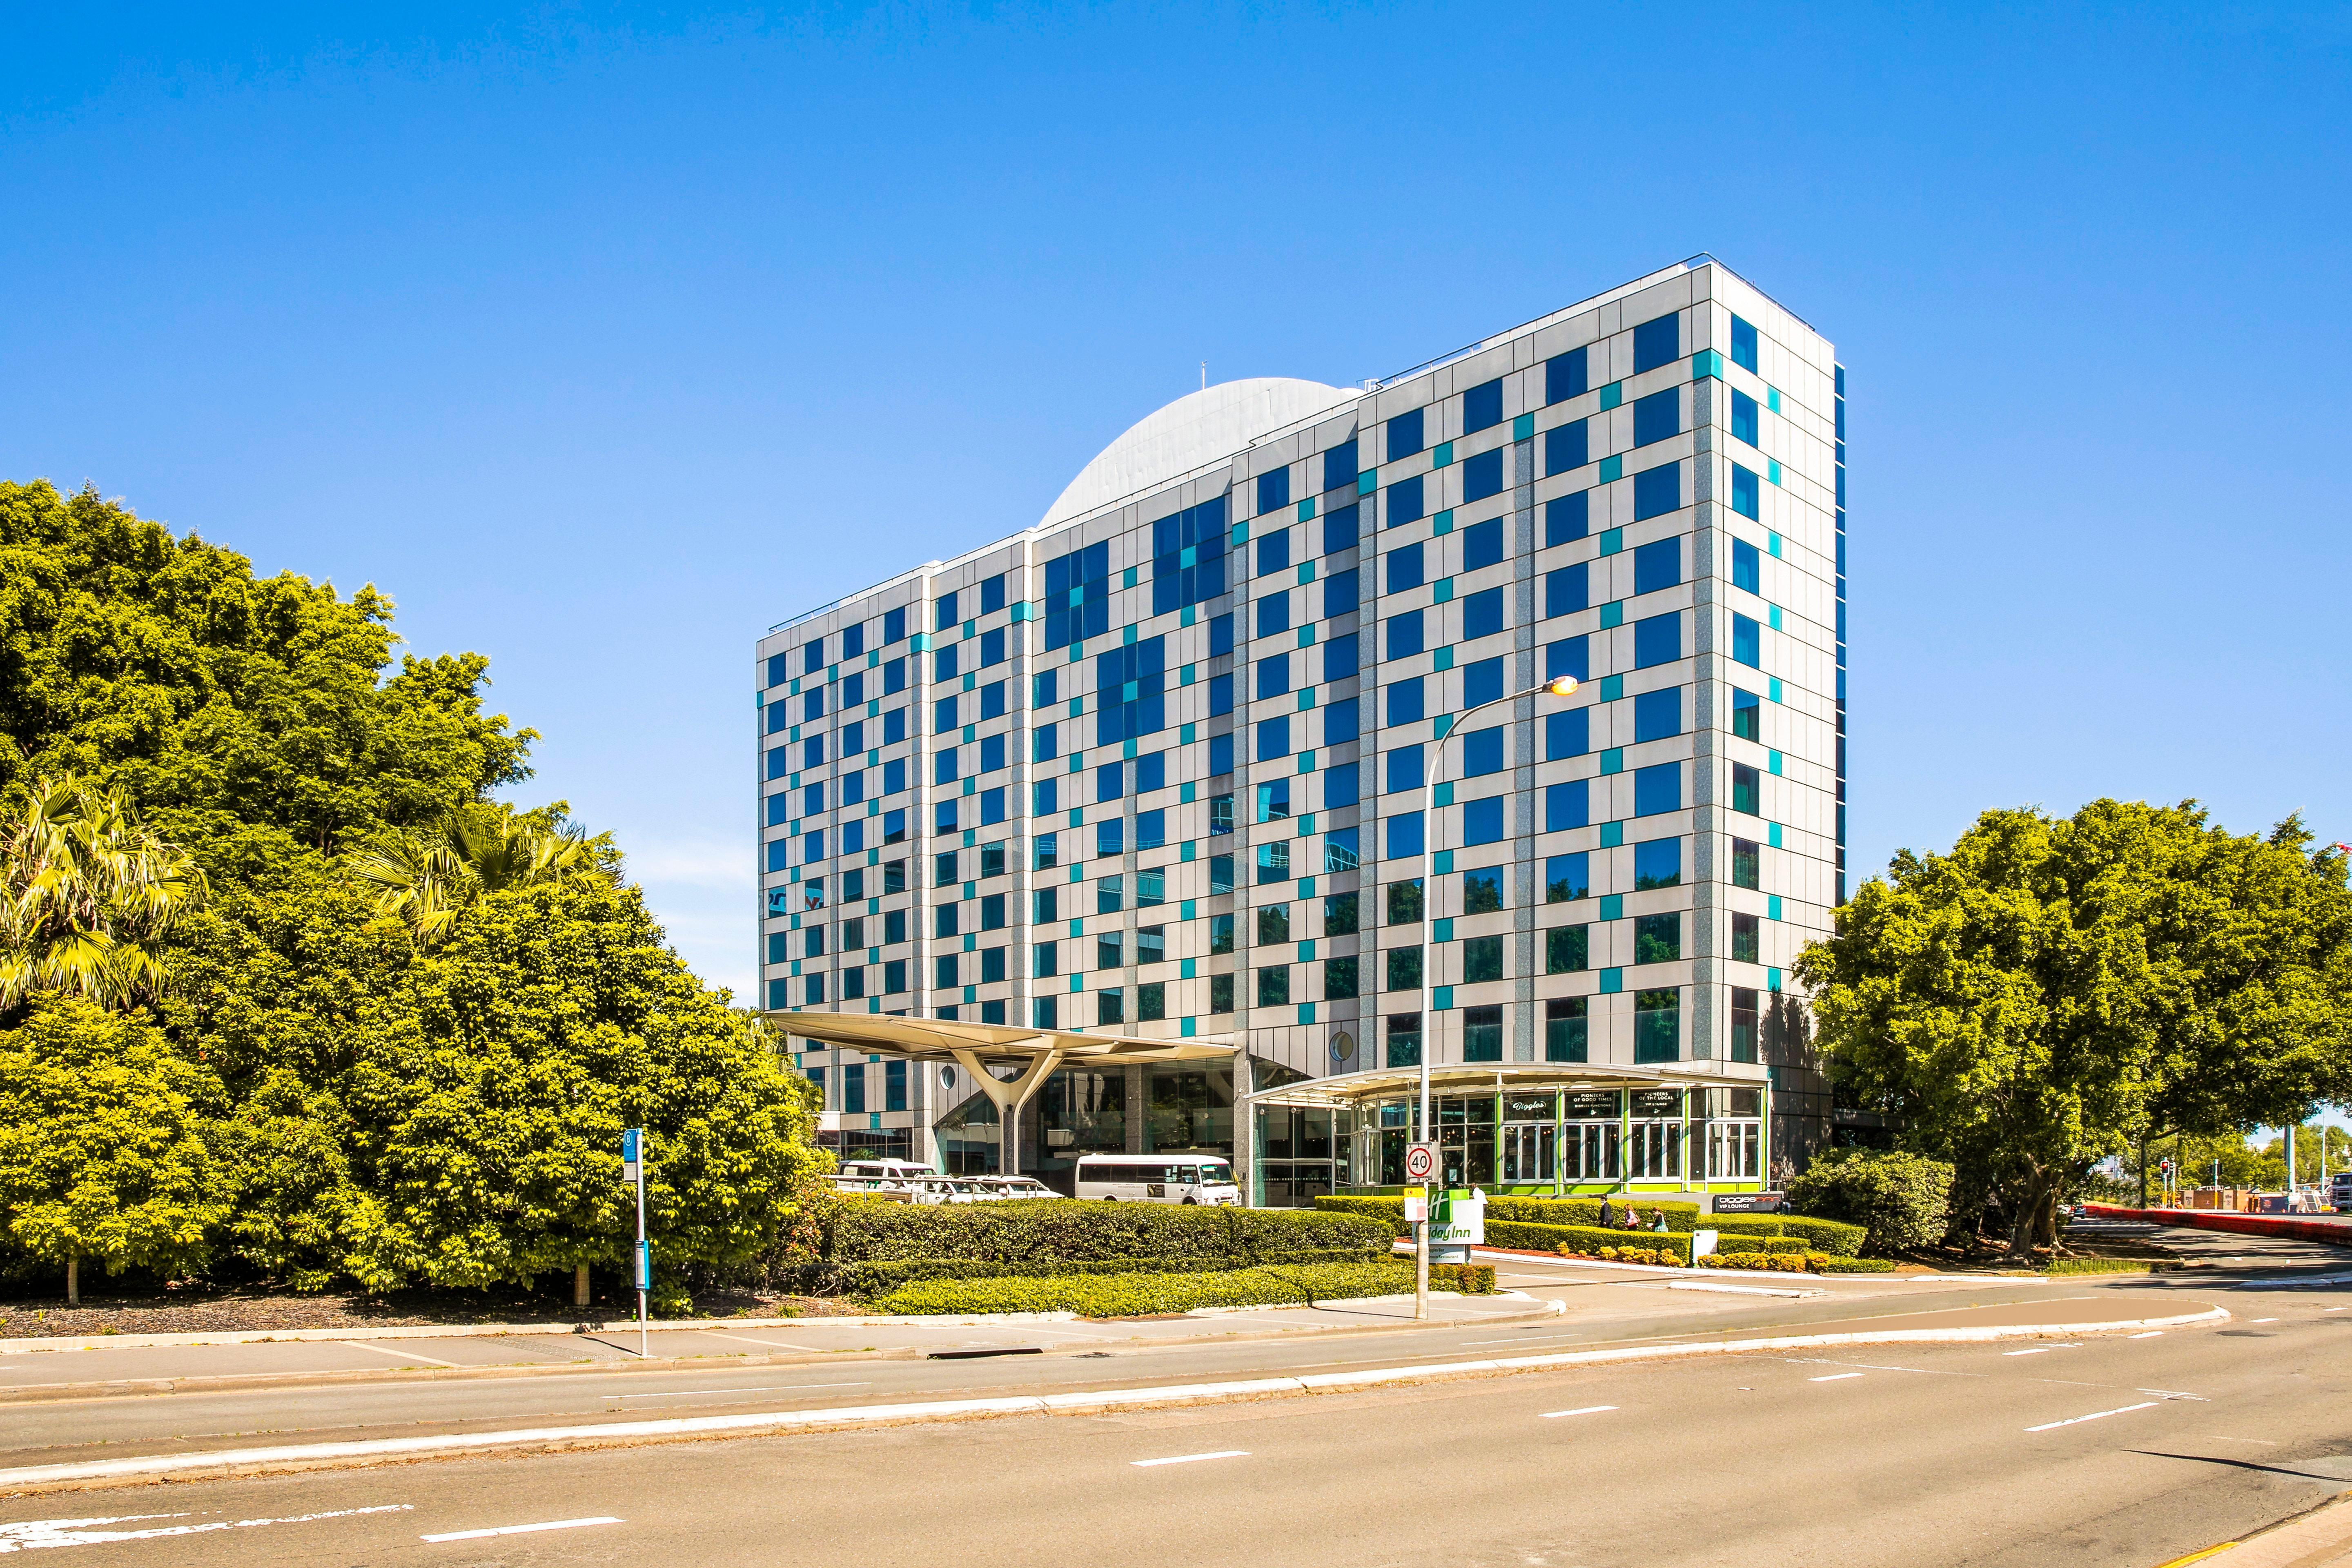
x,y
601,339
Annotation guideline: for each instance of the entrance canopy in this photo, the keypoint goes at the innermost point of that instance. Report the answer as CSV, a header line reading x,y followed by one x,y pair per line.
x,y
976,1048
1454,1079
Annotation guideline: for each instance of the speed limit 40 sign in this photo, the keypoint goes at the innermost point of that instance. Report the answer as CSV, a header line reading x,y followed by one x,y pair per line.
x,y
1419,1162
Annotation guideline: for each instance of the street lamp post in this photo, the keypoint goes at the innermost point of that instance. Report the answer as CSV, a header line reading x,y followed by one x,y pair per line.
x,y
1561,686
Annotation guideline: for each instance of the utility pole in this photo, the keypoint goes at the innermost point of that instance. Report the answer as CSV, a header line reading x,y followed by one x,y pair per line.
x,y
633,1169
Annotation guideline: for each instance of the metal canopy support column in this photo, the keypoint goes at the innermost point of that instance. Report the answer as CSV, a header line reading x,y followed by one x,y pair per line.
x,y
1009,1096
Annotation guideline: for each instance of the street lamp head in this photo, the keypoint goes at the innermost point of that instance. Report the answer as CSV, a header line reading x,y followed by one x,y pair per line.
x,y
1563,686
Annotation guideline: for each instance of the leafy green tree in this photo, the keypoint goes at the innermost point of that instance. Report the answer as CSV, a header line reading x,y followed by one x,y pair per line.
x,y
86,897
101,1150
2030,1003
426,879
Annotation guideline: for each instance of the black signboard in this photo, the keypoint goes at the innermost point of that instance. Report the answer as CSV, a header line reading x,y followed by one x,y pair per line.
x,y
1593,1105
1526,1108
1663,1103
1748,1203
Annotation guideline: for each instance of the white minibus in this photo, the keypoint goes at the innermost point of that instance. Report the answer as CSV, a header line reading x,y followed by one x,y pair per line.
x,y
1157,1179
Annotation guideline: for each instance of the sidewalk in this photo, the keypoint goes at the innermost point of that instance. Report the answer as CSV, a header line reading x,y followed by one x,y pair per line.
x,y
61,1368
2321,1538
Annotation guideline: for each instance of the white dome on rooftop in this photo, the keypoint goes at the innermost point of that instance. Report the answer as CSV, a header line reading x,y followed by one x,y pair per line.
x,y
1198,427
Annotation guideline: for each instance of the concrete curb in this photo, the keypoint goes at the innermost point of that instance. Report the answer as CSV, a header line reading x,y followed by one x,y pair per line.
x,y
30,1346
393,1450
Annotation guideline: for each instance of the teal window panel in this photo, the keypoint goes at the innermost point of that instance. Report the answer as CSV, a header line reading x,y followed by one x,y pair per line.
x,y
1612,688
1442,524
1306,574
1239,532
1443,590
1776,618
1307,826
1306,761
1185,794
1523,429
1772,981
1612,980
1184,675
1775,758
1613,761
1186,618
1612,395
1185,853
1368,481
1443,998
1773,542
1185,1028
1445,792
1776,689
1307,952
1612,906
1442,930
1772,906
1443,658
1021,612
1445,860
1305,700
1613,540
1612,834
1184,738
1706,363
1772,472
1613,614
1612,467
1772,398
1773,836
1126,580
1185,967
1442,456
1307,636
1307,1012
1187,908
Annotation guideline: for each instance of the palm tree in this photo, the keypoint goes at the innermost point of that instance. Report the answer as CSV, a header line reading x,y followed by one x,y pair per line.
x,y
86,896
426,879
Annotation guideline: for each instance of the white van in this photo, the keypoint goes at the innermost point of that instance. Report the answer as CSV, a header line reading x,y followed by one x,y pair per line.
x,y
1157,1179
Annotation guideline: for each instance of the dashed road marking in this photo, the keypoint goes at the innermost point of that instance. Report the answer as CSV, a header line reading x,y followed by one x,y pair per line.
x,y
2095,1415
1192,1458
521,1529
1581,1410
1835,1377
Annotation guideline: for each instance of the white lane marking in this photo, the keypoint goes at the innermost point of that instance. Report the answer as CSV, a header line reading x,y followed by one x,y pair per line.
x,y
1835,1377
754,1340
520,1529
1192,1458
1581,1410
32,1534
2095,1415
762,1388
1515,1339
2262,1320
2037,1349
388,1350
2151,1334
2174,1394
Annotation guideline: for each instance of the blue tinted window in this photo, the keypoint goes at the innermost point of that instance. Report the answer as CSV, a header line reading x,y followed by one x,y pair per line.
x,y
992,805
1049,739
944,662
1221,755
1111,782
1567,589
852,737
1274,551
813,702
1746,566
779,715
1482,614
1482,820
1077,586
1747,715
780,851
813,751
1569,518
1047,794
894,626
1482,682
1403,838
780,808
1048,688
1657,342
1566,878
813,654
1340,658
1274,614
1340,723
1340,593
943,765
1274,490
1568,733
1273,738
1403,569
780,668
1657,416
1747,642
894,775
992,598
1130,683
1404,435
1657,564
1403,769
853,638
1187,566
894,676
1743,343
1403,635
1657,789
1482,751
1273,676
946,608
1564,377
1151,772
1746,494
1482,544
1339,786
992,700
1339,528
1657,491
1404,701
992,650
813,845
1657,864
1482,475
1658,714
1743,417
1221,640
1339,467
1221,695
1567,656
1567,446
894,726
1657,639
1568,806
1406,503
1482,405
813,797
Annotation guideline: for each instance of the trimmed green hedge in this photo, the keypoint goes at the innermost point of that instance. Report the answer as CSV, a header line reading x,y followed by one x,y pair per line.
x,y
1049,1230
1136,1294
1468,1278
875,1279
1829,1236
1680,1217
1582,1238
1733,1246
1829,1263
1778,1262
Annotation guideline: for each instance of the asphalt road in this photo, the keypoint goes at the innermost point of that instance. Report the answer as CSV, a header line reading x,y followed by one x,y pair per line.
x,y
2125,1451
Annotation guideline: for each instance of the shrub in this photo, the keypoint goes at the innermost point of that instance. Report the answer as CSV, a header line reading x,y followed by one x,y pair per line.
x,y
1776,1262
1826,1263
1760,1245
1582,1238
1469,1278
1901,1201
1655,1257
1681,1217
1051,1230
2104,1266
1134,1294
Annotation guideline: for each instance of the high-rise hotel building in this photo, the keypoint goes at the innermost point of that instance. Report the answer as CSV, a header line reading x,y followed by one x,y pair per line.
x,y
1154,765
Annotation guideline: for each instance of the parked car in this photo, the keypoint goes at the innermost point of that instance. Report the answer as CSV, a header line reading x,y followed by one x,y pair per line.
x,y
1007,1187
